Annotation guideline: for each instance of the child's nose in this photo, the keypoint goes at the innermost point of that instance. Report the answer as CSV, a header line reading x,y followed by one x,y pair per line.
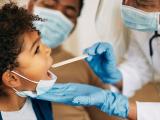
x,y
46,49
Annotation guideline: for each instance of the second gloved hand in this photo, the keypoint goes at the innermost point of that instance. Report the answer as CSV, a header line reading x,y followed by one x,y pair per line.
x,y
111,103
64,93
103,62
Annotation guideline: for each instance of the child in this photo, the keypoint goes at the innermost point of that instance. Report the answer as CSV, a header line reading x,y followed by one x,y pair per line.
x,y
24,64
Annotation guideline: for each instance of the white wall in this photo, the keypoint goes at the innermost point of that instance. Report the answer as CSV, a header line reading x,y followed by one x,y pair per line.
x,y
85,33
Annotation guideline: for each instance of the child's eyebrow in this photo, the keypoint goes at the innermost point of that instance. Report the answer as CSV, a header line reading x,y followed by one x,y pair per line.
x,y
34,43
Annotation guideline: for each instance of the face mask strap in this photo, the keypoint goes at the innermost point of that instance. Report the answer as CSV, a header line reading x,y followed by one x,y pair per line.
x,y
14,89
20,95
24,77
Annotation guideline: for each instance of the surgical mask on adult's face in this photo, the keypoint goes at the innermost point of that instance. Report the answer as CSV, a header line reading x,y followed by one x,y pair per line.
x,y
140,20
42,86
55,29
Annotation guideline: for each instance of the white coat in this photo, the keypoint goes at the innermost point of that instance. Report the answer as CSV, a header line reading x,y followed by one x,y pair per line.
x,y
139,68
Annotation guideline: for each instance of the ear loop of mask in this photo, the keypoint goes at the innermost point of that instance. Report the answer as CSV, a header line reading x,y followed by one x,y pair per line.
x,y
24,77
156,35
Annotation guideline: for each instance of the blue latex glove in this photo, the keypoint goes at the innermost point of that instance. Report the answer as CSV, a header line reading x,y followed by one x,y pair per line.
x,y
64,93
103,62
111,103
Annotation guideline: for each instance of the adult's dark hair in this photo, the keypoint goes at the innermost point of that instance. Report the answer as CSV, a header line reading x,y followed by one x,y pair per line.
x,y
14,22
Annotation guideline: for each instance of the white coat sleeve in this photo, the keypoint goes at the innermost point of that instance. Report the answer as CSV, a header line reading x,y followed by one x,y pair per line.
x,y
135,69
148,111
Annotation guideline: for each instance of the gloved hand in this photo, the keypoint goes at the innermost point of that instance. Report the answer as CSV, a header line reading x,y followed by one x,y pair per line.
x,y
64,93
111,103
103,62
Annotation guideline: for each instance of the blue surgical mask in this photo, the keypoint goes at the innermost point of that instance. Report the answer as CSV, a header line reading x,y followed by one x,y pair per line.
x,y
42,87
55,29
140,20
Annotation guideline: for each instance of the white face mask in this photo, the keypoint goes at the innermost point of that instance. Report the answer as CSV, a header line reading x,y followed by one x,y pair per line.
x,y
42,86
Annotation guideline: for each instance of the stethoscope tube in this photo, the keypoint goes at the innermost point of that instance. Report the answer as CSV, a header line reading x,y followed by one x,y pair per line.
x,y
156,35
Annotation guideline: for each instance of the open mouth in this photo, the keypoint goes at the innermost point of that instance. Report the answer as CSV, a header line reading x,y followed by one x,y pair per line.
x,y
49,74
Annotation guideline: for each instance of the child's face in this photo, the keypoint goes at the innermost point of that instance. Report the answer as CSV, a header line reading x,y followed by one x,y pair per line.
x,y
34,60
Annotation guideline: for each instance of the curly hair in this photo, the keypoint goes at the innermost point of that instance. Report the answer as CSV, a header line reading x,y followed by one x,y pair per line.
x,y
14,22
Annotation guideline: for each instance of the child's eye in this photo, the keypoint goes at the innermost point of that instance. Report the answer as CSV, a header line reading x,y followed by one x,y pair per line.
x,y
37,50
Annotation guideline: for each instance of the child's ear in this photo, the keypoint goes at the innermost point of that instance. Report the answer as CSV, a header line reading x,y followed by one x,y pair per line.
x,y
10,79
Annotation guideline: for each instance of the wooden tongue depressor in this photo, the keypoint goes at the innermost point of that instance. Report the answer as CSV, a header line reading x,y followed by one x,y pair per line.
x,y
69,61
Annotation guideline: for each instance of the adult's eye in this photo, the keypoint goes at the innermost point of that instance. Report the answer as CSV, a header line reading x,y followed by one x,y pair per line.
x,y
70,13
147,2
50,3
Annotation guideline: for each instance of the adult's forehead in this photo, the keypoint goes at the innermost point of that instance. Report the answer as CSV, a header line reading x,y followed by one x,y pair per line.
x,y
148,2
145,5
143,2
